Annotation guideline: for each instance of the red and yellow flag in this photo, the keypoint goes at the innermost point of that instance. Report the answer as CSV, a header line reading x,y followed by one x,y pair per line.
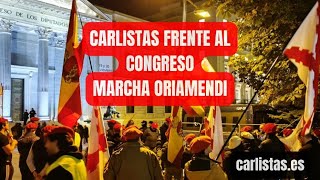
x,y
69,110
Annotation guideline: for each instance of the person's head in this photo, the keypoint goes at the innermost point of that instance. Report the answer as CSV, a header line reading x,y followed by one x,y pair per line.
x,y
144,123
246,129
117,128
287,132
26,110
189,137
246,136
150,123
4,124
154,126
270,129
59,139
168,120
199,144
316,132
132,133
111,123
234,143
32,109
31,127
35,119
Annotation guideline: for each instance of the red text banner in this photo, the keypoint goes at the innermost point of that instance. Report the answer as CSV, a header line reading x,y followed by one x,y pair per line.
x,y
159,64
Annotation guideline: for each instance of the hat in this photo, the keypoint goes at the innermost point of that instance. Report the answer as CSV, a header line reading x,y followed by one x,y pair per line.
x,y
234,142
286,132
269,128
246,129
112,121
144,122
247,135
3,120
316,132
47,129
188,138
154,125
150,122
32,125
34,119
61,130
117,127
168,120
199,144
132,132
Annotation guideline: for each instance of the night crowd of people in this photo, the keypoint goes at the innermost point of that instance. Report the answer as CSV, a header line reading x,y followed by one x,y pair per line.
x,y
141,153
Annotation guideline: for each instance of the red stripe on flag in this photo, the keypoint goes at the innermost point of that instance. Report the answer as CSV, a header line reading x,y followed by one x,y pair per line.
x,y
189,110
71,112
175,111
178,159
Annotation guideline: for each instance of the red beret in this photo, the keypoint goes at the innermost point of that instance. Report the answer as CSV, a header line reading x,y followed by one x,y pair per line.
x,y
31,126
117,127
34,119
132,132
168,120
316,132
154,125
287,131
269,128
60,130
199,144
3,120
47,129
246,129
188,138
112,121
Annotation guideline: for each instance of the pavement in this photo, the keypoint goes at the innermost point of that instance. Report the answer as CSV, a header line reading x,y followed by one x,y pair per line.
x,y
15,163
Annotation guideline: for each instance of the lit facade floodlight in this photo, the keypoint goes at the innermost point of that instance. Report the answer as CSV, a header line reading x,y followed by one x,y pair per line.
x,y
202,13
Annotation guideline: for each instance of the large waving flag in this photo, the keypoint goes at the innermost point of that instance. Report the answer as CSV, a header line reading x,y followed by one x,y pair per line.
x,y
175,141
1,100
98,153
69,109
215,120
304,52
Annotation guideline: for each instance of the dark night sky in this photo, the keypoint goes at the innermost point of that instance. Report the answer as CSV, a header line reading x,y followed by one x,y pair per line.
x,y
137,8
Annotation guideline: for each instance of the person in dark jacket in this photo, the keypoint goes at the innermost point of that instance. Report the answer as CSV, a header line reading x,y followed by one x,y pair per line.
x,y
249,142
235,147
143,126
17,131
64,159
170,168
24,144
150,136
85,134
272,144
310,153
32,113
163,130
25,117
38,157
116,138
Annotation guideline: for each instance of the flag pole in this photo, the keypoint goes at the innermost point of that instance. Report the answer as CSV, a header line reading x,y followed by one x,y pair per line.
x,y
247,107
1,100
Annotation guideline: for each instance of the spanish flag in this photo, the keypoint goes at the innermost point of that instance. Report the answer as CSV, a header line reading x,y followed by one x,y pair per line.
x,y
175,141
69,110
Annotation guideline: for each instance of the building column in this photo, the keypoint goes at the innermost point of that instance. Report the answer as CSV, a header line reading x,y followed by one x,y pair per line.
x,y
5,65
43,74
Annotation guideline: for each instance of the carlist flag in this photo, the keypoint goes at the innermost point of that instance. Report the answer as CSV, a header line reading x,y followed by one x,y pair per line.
x,y
69,110
98,153
304,52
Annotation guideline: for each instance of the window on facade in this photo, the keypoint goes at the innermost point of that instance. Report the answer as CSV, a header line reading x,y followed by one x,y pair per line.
x,y
130,109
167,109
149,109
235,120
224,120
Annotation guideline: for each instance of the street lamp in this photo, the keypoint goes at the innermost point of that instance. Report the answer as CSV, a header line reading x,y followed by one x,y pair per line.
x,y
202,13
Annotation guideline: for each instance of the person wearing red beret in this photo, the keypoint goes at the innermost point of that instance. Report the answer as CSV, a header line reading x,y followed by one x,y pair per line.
x,y
150,136
7,145
24,144
187,155
271,143
201,167
132,160
316,132
37,156
116,138
286,132
65,160
246,129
